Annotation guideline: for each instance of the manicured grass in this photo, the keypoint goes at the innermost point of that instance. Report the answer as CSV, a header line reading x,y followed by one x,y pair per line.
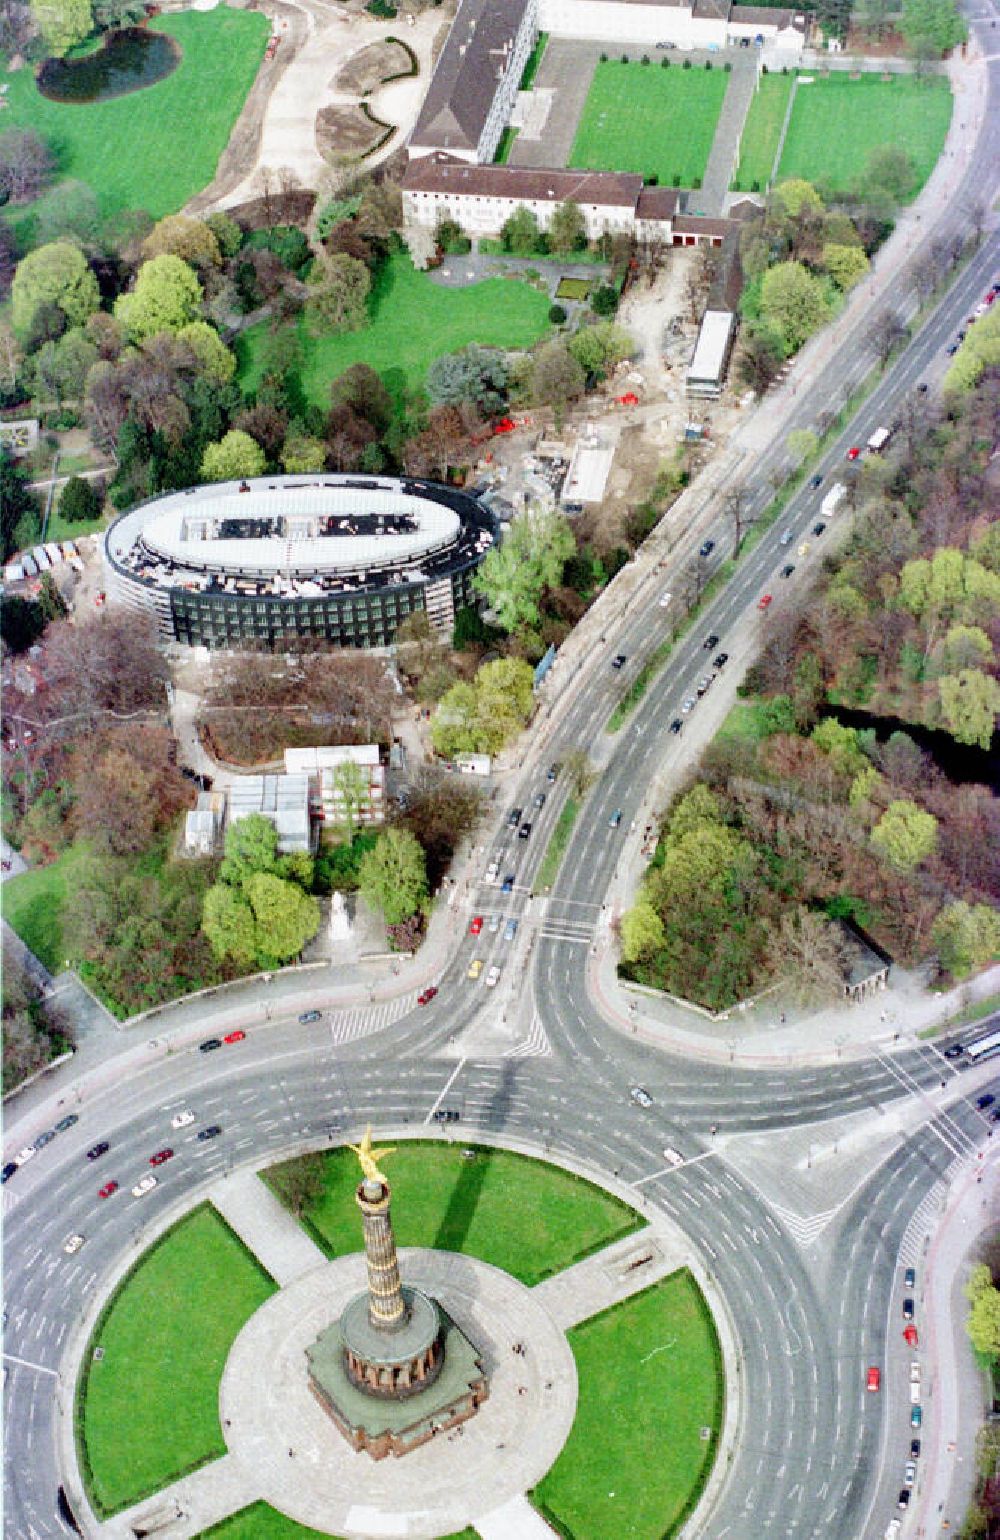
x,y
261,1522
650,1374
413,321
504,146
654,121
761,132
573,288
476,1206
33,905
139,151
148,1410
747,722
556,848
534,60
836,122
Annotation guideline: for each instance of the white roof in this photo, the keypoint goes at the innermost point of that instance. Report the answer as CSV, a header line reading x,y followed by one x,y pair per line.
x,y
184,527
329,756
710,351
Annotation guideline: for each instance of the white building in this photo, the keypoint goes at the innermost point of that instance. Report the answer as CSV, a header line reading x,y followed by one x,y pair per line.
x,y
320,765
283,799
712,353
699,24
472,91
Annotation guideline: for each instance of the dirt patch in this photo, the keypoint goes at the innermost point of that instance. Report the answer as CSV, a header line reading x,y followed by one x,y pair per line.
x,y
349,133
371,66
259,213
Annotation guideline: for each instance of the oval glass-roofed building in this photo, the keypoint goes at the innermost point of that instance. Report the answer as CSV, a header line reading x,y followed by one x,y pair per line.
x,y
339,559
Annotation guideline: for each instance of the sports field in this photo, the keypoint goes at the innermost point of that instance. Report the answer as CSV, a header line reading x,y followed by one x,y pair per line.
x,y
413,321
148,1409
651,1378
761,133
658,122
444,1199
139,151
837,122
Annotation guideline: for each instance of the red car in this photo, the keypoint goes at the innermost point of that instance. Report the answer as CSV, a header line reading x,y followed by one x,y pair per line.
x,y
160,1157
874,1379
428,995
910,1336
854,453
476,925
766,600
108,1189
234,1037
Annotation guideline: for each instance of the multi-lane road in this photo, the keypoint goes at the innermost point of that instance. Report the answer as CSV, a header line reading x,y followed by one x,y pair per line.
x,y
816,1455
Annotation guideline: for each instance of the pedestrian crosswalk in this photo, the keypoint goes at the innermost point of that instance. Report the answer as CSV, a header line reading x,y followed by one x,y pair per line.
x,y
923,1222
364,1021
535,1046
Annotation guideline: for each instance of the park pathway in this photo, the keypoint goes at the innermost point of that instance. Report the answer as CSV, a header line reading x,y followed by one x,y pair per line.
x,y
710,199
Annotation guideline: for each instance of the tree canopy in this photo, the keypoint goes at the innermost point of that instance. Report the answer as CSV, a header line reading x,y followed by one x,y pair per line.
x,y
393,875
235,456
905,834
62,23
58,275
165,298
474,374
529,560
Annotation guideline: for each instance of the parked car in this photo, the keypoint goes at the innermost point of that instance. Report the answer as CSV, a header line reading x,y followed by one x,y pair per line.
x,y
8,1171
50,1133
514,817
907,1309
676,725
552,772
428,995
492,976
493,871
476,925
910,1336
540,799
765,601
182,1119
144,1185
874,1381
211,1132
619,661
640,1096
706,548
704,685
66,1122
982,1102
28,1153
305,1020
524,832
108,1189
211,1043
475,968
73,1244
234,1037
804,548
815,481
787,537
720,660
854,453
446,1115
916,1416
615,819
507,886
97,1150
818,528
665,599
914,1448
910,1278
494,923
688,704
787,569
710,641
161,1157
510,930
903,1501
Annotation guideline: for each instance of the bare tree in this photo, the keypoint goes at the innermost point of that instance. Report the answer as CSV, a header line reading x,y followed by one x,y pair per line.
x,y
26,164
887,329
736,506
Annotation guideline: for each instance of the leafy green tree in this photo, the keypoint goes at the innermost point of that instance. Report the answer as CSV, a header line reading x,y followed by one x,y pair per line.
x,y
970,702
286,918
530,559
455,723
864,786
469,629
227,232
792,301
229,924
57,275
520,234
642,932
217,363
190,239
845,264
21,622
363,389
79,501
234,457
890,168
840,744
604,300
251,846
338,294
474,374
393,875
802,444
503,701
697,809
983,1324
598,348
301,454
935,24
795,196
70,210
351,790
905,835
18,509
964,647
966,936
567,230
62,23
165,298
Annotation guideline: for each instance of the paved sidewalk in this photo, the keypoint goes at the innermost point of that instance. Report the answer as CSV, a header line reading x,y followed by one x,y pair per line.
x,y
710,199
212,1493
276,1238
514,1520
615,1274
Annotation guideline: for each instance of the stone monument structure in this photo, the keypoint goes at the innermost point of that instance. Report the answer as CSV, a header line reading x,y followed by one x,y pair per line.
x,y
395,1369
340,920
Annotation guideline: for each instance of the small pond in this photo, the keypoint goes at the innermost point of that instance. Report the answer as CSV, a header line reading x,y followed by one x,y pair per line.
x,y
126,61
960,762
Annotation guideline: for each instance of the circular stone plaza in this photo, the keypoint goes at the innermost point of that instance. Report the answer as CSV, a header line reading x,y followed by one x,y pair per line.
x,y
341,559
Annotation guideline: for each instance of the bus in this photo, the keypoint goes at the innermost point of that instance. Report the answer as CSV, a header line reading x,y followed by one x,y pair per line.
x,y
982,1047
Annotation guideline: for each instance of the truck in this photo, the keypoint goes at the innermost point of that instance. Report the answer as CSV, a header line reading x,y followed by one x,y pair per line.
x,y
878,440
833,500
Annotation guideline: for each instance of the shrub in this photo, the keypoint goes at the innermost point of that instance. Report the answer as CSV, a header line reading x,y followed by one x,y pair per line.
x,y
557,315
604,58
687,64
664,64
708,64
624,58
755,185
645,58
652,180
676,179
696,183
728,67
